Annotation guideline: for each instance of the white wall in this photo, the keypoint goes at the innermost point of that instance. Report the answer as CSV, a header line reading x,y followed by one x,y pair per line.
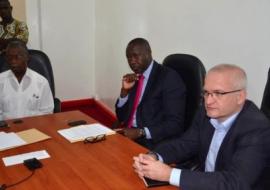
x,y
64,29
215,31
90,37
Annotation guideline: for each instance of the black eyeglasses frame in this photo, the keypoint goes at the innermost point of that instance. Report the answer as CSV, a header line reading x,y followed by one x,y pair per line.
x,y
94,139
218,93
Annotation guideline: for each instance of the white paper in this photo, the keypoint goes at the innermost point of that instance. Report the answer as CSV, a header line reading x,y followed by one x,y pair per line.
x,y
18,159
2,133
81,132
9,140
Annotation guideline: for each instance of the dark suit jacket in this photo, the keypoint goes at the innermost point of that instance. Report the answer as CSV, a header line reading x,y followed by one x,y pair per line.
x,y
162,106
242,157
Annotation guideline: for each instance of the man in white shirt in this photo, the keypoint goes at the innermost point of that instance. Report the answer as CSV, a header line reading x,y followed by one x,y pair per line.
x,y
23,92
229,135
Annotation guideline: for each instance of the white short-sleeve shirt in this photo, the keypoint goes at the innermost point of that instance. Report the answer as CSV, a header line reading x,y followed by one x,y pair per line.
x,y
32,96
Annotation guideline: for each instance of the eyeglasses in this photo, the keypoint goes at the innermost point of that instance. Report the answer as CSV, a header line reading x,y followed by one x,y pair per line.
x,y
95,139
217,94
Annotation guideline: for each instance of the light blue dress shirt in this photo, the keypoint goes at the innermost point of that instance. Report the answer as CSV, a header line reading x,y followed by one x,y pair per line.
x,y
221,130
122,101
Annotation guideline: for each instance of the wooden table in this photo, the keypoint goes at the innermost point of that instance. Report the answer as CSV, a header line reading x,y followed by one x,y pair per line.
x,y
74,166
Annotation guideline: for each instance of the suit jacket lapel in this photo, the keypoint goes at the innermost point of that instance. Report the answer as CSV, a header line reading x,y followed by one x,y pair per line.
x,y
208,133
151,80
233,131
227,139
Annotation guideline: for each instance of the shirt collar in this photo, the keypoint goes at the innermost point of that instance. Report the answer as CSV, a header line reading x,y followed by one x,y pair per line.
x,y
147,72
27,74
225,125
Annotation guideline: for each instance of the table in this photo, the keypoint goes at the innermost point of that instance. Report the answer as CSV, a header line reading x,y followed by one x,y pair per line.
x,y
103,165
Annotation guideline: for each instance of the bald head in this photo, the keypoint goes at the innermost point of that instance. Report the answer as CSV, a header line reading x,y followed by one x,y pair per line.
x,y
235,75
139,55
142,43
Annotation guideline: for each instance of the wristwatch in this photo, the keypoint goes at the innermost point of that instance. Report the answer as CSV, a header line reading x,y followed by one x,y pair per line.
x,y
142,133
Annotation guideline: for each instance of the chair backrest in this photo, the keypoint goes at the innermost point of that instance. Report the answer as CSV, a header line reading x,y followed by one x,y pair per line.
x,y
265,106
39,62
192,72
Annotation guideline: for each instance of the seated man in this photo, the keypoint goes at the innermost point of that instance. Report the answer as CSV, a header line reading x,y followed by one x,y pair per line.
x,y
229,135
10,27
23,92
153,108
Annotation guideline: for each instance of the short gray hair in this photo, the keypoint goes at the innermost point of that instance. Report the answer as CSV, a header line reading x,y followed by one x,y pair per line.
x,y
238,75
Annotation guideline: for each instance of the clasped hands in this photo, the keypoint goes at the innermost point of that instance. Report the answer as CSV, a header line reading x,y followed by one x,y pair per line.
x,y
145,165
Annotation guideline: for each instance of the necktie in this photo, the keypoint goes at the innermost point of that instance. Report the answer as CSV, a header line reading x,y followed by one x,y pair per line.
x,y
136,100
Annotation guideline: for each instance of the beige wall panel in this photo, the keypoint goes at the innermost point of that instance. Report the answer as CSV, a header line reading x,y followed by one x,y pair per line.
x,y
18,9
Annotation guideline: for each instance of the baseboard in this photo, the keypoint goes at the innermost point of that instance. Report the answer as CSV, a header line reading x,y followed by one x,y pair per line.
x,y
94,108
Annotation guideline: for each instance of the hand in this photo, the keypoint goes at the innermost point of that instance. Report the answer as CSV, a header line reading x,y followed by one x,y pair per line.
x,y
137,165
132,133
146,165
128,82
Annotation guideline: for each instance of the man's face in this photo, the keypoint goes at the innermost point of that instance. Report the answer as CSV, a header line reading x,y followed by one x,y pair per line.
x,y
5,10
138,58
221,106
17,60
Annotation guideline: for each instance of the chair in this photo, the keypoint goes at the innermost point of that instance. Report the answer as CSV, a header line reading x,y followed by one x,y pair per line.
x,y
265,106
192,72
39,62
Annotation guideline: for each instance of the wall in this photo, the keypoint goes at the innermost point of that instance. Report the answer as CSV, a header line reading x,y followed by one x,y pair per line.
x,y
86,41
215,31
64,29
18,9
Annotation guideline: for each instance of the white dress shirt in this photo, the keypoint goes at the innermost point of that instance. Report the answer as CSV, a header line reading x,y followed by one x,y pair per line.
x,y
32,96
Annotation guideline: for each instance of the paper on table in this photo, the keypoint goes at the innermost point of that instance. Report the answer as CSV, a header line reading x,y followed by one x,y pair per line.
x,y
32,135
81,132
10,140
18,159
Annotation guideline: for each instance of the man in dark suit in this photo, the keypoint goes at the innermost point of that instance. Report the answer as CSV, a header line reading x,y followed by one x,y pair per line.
x,y
160,112
229,136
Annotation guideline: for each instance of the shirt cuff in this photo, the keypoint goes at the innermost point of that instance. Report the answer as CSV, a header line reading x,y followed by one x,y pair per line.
x,y
122,101
175,177
147,133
